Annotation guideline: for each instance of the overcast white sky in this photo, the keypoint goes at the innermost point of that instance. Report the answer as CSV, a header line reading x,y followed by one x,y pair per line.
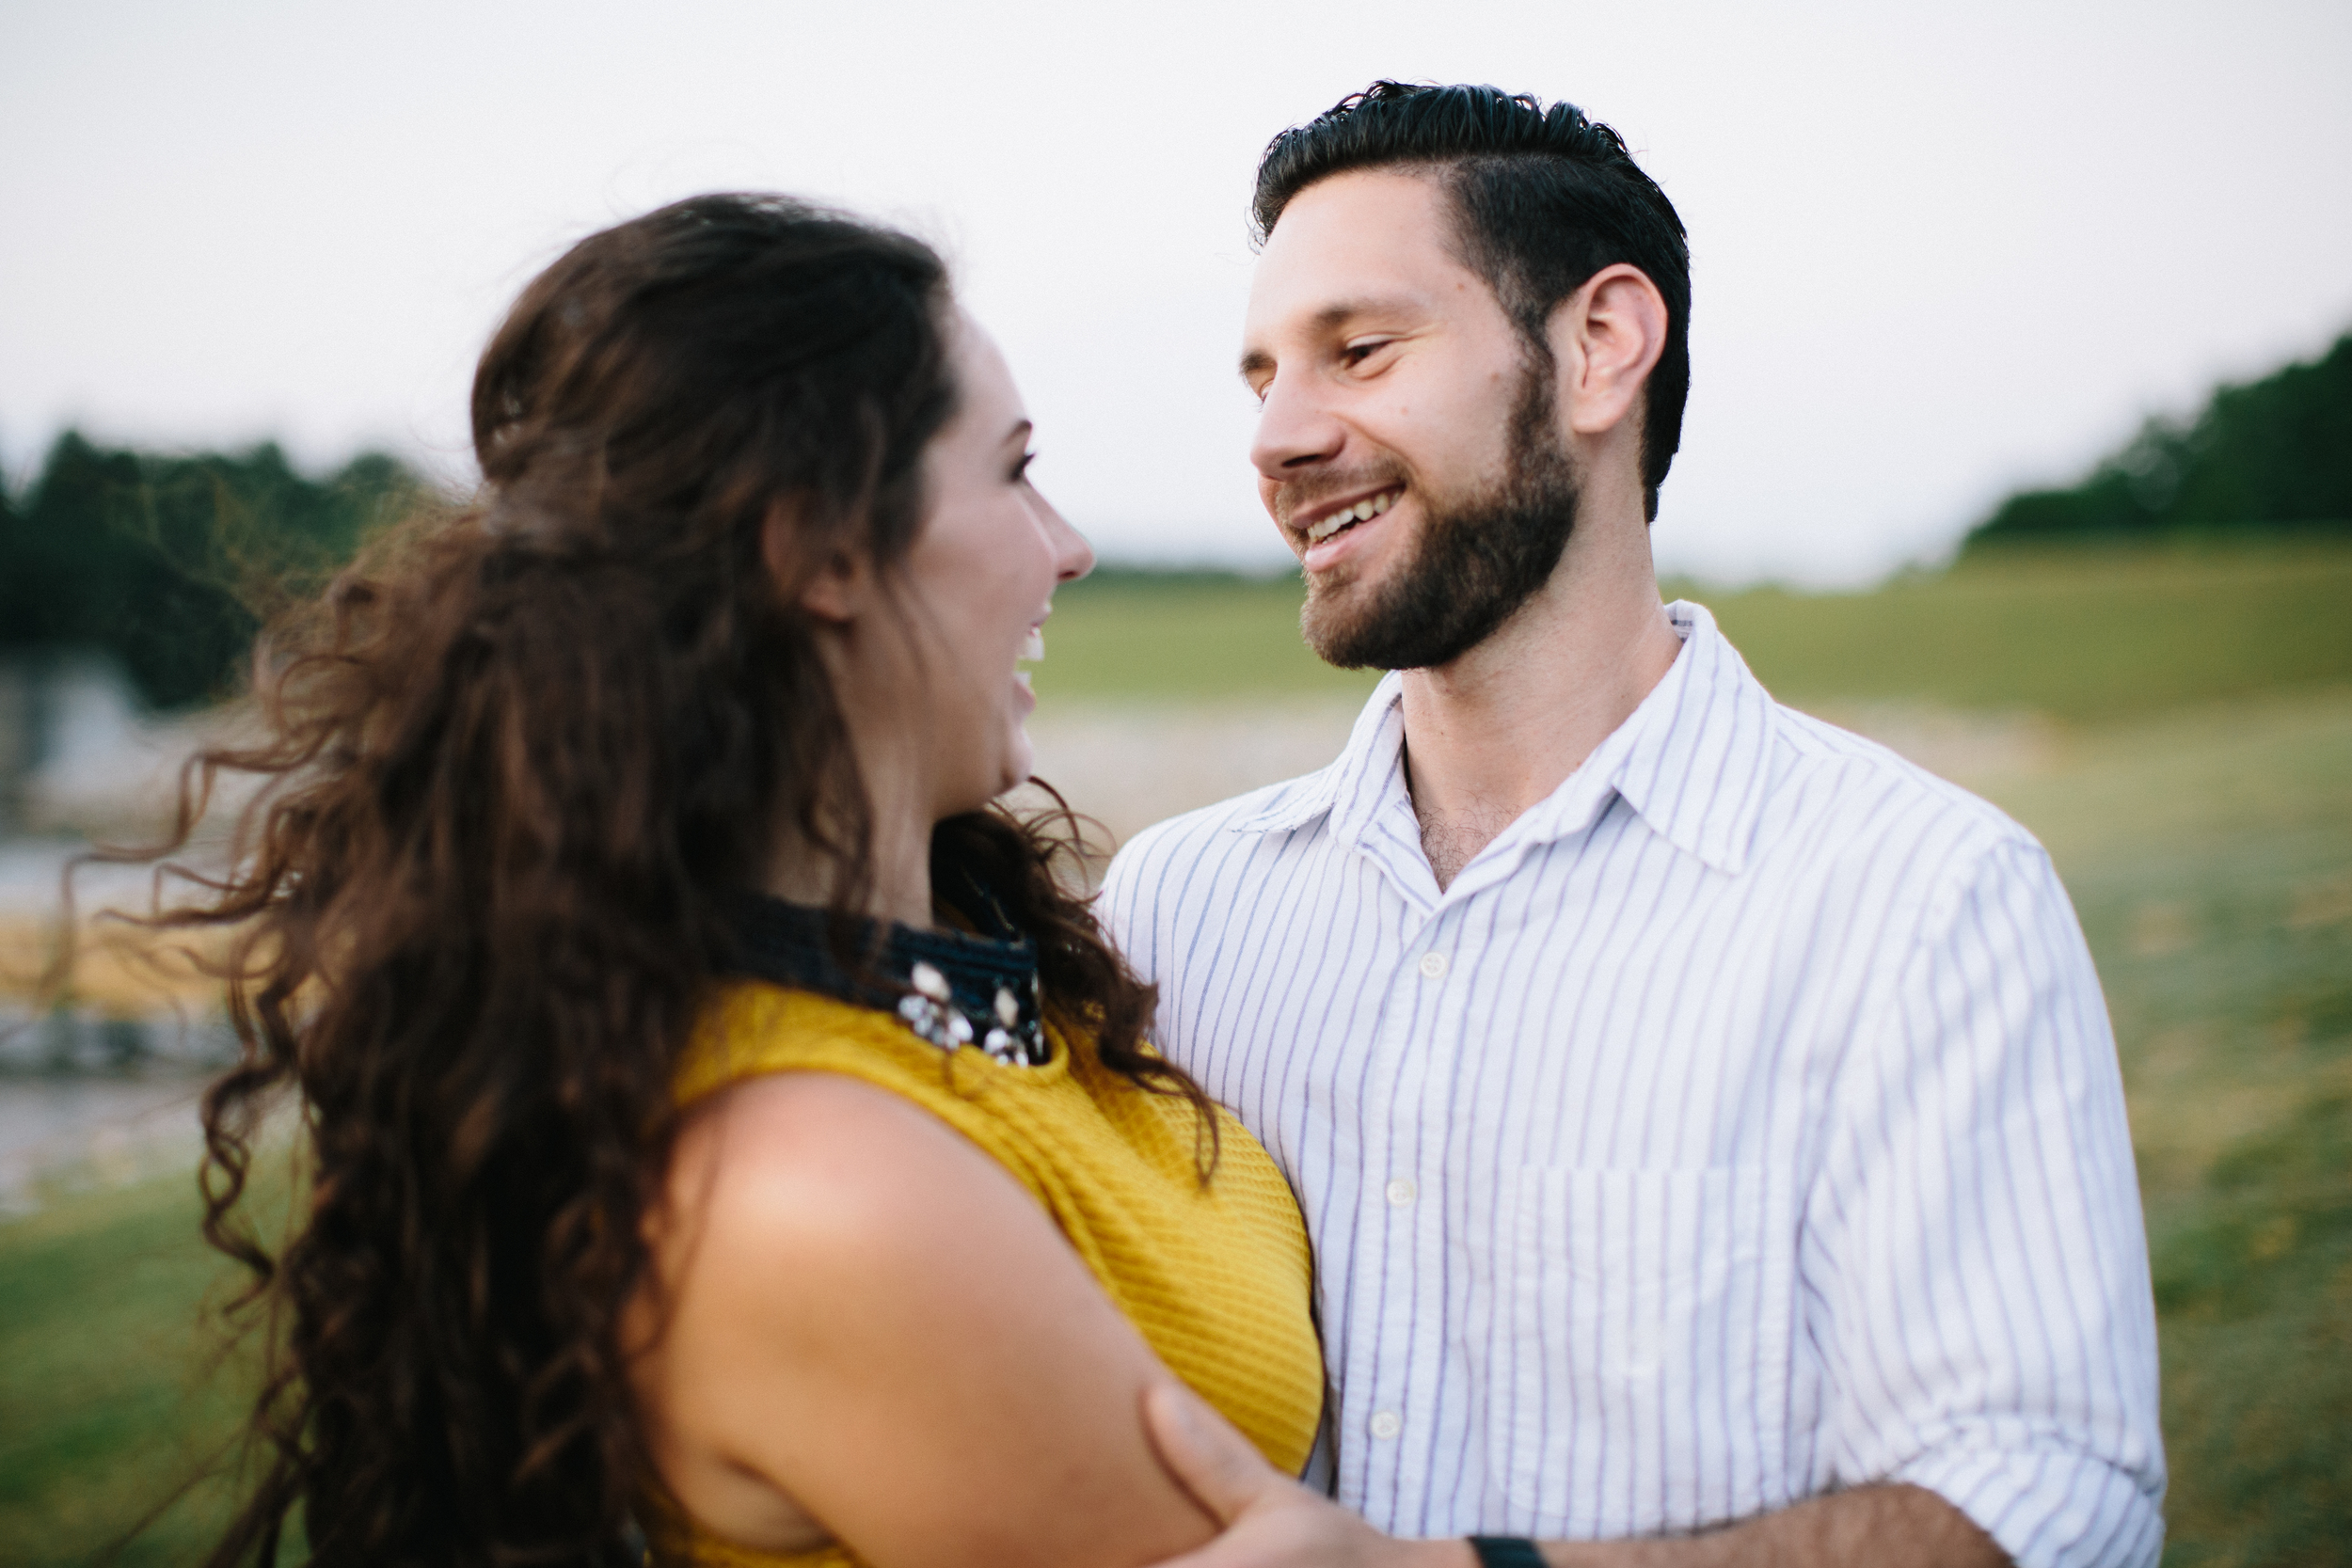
x,y
1938,251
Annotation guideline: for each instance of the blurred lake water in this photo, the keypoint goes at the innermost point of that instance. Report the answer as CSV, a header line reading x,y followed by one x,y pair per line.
x,y
67,1133
100,1088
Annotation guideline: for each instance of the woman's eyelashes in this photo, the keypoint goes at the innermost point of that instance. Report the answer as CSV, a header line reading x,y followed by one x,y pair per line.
x,y
1020,467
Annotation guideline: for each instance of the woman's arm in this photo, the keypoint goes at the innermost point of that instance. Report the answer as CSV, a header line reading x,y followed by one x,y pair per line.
x,y
875,1335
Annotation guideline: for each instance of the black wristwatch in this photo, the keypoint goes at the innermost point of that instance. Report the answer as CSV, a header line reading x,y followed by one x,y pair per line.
x,y
1506,1551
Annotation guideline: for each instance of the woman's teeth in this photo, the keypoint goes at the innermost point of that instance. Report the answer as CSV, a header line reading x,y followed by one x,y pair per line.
x,y
1034,649
1371,506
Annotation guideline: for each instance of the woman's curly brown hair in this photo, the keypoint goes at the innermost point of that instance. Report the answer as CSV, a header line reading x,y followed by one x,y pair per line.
x,y
521,760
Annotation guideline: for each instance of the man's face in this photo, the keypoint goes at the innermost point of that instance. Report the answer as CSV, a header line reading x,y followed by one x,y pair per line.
x,y
1407,448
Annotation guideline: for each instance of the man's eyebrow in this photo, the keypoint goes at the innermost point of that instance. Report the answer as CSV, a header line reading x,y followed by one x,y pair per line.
x,y
1331,318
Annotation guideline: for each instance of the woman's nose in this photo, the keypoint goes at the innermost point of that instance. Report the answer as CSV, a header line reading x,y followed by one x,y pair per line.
x,y
1073,557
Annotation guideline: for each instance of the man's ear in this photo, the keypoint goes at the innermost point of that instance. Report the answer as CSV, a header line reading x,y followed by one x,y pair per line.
x,y
833,587
1606,339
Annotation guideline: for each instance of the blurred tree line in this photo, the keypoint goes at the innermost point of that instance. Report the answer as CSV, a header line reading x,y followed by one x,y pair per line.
x,y
168,562
2275,453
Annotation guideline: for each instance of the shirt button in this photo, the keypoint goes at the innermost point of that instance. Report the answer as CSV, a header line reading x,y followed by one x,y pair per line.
x,y
1433,966
1401,1194
1387,1424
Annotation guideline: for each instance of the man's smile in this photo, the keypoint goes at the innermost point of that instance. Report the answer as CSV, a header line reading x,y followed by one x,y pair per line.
x,y
1322,524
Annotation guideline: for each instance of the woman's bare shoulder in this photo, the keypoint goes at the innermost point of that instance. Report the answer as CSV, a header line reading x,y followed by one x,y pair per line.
x,y
879,1322
818,1169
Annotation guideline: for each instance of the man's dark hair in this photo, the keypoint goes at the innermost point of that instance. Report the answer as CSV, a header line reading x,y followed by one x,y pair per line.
x,y
1545,198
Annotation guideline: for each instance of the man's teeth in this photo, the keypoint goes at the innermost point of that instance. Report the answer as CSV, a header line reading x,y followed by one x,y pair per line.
x,y
1371,506
1034,649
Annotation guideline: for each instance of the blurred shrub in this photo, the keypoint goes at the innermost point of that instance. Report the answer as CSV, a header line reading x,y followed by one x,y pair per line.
x,y
2273,453
168,562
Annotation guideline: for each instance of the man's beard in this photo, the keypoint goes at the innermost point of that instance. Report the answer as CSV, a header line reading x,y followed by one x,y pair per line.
x,y
1475,564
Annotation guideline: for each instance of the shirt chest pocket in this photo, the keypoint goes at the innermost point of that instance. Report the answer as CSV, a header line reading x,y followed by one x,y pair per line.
x,y
1642,1337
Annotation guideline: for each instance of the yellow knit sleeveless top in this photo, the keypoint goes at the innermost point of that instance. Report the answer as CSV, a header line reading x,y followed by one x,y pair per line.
x,y
1217,1281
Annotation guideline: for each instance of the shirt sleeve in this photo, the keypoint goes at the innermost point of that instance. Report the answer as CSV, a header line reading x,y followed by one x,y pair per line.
x,y
1975,1262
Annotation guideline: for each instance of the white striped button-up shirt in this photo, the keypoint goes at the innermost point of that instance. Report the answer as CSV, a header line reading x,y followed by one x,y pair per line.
x,y
1742,1123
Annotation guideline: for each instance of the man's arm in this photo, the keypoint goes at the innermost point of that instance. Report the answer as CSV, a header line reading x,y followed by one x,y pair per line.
x,y
1269,1521
1973,1265
1869,1524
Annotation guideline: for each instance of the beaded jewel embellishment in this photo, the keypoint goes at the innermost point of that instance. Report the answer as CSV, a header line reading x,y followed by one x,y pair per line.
x,y
929,1010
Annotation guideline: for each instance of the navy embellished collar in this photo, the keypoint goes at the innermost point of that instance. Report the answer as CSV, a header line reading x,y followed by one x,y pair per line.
x,y
952,988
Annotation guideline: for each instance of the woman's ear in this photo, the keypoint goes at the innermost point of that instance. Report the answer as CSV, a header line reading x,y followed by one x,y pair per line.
x,y
835,591
832,587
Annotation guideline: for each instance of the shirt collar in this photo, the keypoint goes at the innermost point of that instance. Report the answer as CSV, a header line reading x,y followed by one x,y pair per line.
x,y
1699,748
1692,760
1358,774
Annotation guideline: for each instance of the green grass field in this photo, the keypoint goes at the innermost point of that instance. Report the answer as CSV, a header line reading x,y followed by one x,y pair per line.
x,y
1121,637
2209,852
2078,634
2197,800
116,1394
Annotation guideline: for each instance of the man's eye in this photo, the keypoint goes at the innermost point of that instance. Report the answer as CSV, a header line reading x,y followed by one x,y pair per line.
x,y
1356,353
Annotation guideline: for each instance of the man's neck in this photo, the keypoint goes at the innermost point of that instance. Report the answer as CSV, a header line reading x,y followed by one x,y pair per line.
x,y
1497,730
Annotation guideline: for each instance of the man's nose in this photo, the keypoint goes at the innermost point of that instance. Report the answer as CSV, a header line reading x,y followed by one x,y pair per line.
x,y
1295,431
